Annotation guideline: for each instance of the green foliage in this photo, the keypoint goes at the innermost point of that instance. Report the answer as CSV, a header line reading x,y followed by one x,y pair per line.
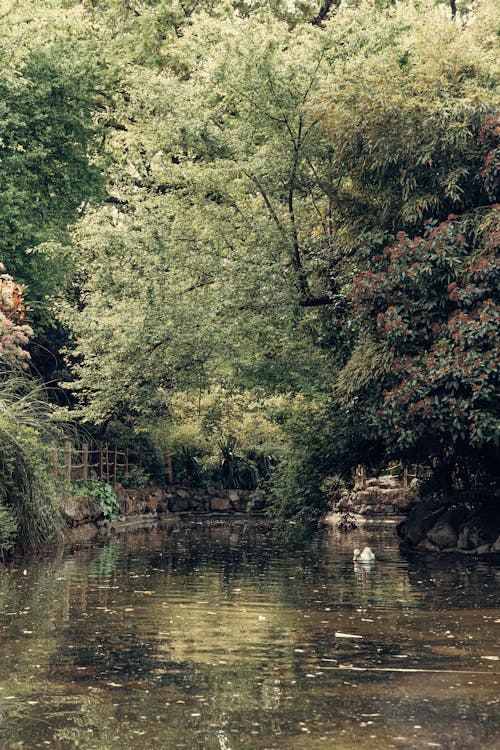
x,y
27,431
135,479
46,172
102,492
332,487
404,105
321,440
236,470
8,530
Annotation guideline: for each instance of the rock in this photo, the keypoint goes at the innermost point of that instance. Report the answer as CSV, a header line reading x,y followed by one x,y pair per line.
x,y
182,493
77,510
404,500
480,529
419,521
379,501
220,503
388,482
241,503
445,531
151,502
180,504
495,547
426,546
258,504
162,506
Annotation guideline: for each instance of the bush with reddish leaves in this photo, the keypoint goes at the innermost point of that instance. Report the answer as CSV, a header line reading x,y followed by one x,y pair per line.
x,y
434,301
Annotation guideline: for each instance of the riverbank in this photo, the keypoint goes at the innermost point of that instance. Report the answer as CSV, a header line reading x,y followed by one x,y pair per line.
x,y
84,520
427,527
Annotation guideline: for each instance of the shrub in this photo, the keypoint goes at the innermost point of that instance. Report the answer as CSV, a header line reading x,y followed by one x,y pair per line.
x,y
27,490
102,492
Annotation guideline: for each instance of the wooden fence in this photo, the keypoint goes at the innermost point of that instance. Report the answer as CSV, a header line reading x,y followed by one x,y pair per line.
x,y
89,461
404,472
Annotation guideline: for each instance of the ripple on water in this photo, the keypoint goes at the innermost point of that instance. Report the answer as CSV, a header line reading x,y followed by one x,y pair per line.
x,y
218,636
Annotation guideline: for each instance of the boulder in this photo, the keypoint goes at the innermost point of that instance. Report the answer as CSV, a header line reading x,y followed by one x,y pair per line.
x,y
162,506
404,499
386,482
445,531
419,521
378,501
495,547
480,529
180,504
152,501
220,503
77,510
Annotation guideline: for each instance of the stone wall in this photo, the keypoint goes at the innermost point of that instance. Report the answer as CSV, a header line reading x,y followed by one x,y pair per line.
x,y
383,496
181,500
82,513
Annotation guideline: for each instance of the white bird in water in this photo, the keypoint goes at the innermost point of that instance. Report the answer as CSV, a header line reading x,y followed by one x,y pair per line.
x,y
366,556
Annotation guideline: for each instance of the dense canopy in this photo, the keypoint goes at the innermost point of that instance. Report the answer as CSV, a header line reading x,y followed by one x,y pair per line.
x,y
265,228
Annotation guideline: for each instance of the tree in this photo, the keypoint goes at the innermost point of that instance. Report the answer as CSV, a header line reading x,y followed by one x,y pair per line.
x,y
227,239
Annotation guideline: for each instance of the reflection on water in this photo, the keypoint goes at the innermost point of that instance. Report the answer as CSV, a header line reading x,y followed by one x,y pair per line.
x,y
210,635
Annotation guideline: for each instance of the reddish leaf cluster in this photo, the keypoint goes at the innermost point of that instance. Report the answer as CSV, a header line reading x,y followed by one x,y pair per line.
x,y
15,333
434,300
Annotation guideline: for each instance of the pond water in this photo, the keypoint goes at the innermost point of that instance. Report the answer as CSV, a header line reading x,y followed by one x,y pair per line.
x,y
214,634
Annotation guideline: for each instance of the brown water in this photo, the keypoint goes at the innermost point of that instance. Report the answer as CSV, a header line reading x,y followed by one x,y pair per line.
x,y
213,635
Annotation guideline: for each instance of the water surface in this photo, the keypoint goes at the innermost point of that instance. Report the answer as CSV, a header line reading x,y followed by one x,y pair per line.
x,y
216,635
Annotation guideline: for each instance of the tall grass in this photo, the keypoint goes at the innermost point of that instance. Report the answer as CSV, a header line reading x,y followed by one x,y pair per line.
x,y
27,491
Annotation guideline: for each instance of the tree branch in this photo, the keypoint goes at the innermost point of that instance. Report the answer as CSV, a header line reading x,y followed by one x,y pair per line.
x,y
324,11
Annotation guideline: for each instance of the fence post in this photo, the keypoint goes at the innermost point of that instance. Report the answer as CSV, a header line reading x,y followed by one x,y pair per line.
x,y
361,476
404,476
85,461
67,461
107,462
126,463
115,463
